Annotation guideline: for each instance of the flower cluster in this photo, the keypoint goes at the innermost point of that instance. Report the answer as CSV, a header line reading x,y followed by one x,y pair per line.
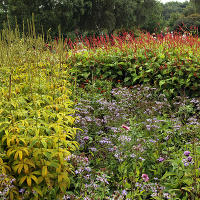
x,y
188,160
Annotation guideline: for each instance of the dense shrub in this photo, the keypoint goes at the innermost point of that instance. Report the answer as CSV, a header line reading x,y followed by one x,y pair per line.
x,y
169,63
36,123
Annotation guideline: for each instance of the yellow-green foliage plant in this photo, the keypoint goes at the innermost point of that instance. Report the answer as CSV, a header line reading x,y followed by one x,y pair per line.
x,y
36,119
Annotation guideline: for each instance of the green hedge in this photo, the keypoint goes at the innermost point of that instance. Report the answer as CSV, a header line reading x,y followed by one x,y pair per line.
x,y
172,63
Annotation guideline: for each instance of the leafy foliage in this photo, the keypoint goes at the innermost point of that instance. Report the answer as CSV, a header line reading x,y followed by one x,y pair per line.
x,y
170,63
76,15
36,123
190,23
135,144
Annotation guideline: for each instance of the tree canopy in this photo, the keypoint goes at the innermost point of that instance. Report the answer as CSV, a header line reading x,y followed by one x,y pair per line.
x,y
95,15
83,15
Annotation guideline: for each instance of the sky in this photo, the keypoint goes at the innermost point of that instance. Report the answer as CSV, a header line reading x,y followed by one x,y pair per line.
x,y
165,1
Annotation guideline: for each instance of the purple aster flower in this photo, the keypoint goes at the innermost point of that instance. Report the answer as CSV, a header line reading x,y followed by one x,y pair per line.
x,y
187,153
186,164
161,159
189,159
22,190
93,149
86,138
124,192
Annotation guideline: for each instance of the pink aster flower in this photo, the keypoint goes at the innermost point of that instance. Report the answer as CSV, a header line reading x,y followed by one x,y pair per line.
x,y
145,177
125,127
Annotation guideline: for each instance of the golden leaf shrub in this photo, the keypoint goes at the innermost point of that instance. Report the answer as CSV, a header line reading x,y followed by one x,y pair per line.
x,y
36,124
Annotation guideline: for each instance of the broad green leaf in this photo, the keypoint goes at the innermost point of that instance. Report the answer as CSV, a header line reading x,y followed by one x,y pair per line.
x,y
167,174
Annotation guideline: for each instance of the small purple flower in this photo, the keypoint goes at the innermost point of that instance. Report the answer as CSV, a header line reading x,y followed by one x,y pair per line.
x,y
22,190
153,141
86,138
86,198
187,153
124,192
189,159
88,169
142,159
93,149
145,177
148,127
161,159
186,164
132,155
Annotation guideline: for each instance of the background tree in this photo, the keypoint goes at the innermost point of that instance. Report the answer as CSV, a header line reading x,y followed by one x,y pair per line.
x,y
3,12
196,4
152,16
83,15
125,13
173,11
173,7
172,20
190,9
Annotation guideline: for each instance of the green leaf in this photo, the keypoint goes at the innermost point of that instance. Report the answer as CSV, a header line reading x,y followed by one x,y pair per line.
x,y
198,149
85,75
38,190
168,174
33,142
162,82
120,73
127,79
188,181
54,164
188,189
44,143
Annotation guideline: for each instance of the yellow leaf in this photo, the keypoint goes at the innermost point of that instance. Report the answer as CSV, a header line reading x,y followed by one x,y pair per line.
x,y
15,168
22,180
8,142
61,157
29,162
48,182
28,180
13,139
9,152
16,155
34,178
36,172
20,155
60,177
62,187
26,168
26,151
3,170
44,171
23,140
20,168
58,170
7,167
11,195
40,179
